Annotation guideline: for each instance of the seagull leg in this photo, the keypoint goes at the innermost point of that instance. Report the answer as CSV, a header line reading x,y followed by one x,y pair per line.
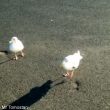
x,y
66,75
22,54
16,57
71,73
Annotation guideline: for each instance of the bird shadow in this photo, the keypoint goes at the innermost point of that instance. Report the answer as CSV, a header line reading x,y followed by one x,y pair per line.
x,y
5,61
7,54
33,96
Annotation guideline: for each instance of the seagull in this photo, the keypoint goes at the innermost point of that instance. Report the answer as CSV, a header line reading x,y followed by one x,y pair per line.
x,y
70,63
15,46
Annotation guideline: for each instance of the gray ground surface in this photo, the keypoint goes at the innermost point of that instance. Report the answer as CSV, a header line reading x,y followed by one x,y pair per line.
x,y
50,30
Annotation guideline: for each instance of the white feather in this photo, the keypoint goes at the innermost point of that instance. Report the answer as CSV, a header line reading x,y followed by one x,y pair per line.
x,y
15,45
72,62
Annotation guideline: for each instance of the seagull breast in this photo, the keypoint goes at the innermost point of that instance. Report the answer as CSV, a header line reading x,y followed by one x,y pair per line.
x,y
71,62
16,46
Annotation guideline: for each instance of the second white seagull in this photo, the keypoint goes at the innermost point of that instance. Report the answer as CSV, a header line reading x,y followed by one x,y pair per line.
x,y
70,63
15,46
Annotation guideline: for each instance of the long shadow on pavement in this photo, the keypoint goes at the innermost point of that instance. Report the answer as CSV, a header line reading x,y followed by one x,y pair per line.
x,y
5,61
5,53
33,96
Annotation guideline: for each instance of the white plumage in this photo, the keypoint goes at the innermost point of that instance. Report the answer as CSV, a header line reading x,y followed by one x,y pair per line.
x,y
15,46
72,62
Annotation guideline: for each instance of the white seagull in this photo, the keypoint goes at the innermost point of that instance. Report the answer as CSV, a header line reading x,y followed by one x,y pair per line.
x,y
70,63
15,46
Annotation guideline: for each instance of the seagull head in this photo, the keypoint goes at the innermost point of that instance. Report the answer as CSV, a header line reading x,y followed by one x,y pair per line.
x,y
13,39
79,55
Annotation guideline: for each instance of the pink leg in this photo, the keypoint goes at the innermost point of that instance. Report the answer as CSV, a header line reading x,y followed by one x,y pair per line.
x,y
67,74
22,54
71,73
16,57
